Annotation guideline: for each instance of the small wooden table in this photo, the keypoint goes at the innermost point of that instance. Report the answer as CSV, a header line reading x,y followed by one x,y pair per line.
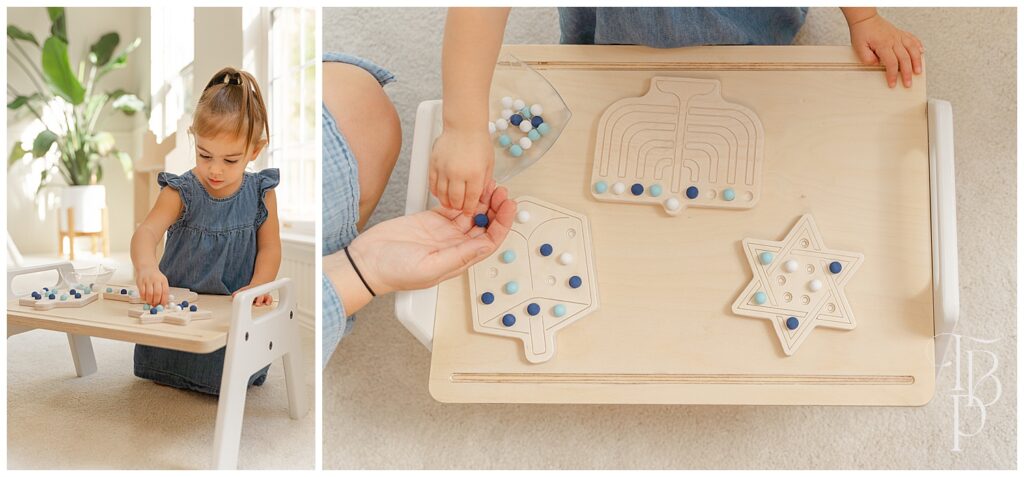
x,y
254,337
839,145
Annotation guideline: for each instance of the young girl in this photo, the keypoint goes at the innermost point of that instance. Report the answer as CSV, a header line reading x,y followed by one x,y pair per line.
x,y
221,225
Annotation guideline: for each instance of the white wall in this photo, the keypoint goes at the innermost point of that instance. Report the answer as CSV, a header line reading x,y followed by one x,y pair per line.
x,y
31,221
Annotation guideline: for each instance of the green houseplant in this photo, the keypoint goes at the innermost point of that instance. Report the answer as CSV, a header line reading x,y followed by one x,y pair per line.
x,y
69,104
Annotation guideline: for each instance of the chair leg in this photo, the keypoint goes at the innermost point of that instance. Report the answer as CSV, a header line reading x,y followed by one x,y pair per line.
x,y
71,232
82,354
106,234
298,405
227,433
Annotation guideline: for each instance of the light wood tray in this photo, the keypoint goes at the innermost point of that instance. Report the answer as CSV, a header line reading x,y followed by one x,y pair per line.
x,y
839,145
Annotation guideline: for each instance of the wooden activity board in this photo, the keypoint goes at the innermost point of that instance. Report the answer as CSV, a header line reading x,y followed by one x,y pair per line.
x,y
679,145
838,145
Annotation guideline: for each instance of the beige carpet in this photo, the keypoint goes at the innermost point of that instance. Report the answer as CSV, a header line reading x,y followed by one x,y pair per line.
x,y
113,420
378,413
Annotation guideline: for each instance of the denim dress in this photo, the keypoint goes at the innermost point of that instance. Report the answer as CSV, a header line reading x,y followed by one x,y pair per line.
x,y
340,205
210,249
679,26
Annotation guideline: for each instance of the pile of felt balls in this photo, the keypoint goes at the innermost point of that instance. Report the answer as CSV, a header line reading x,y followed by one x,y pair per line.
x,y
527,119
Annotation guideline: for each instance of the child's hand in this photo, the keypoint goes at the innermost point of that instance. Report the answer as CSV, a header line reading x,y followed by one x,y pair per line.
x,y
421,250
262,300
876,40
152,285
461,163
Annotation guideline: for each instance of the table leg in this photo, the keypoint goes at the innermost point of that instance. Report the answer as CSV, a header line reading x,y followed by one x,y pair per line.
x,y
81,352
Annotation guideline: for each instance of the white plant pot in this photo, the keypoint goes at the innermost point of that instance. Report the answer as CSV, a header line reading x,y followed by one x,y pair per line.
x,y
87,203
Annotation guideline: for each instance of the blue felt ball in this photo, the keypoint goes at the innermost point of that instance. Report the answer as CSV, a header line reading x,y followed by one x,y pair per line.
x,y
760,297
184,303
124,292
145,306
637,189
534,135
52,296
575,281
835,267
729,194
543,129
600,187
511,288
487,298
153,311
558,310
516,150
516,119
533,309
508,320
536,121
480,220
193,308
36,296
504,140
655,190
792,323
691,192
73,291
546,249
110,290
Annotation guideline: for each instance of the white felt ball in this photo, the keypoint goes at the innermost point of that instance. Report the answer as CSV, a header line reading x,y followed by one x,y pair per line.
x,y
491,128
565,258
518,105
525,126
523,216
506,113
790,265
672,203
506,102
814,285
536,110
618,188
525,142
501,124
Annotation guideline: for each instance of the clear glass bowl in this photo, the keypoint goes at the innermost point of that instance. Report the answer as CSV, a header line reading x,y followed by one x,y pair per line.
x,y
96,276
517,80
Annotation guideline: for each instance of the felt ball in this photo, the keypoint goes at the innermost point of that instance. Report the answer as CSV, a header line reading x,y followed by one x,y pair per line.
x,y
637,189
692,192
63,298
533,309
533,135
558,310
618,188
792,323
575,281
153,311
511,288
110,290
536,110
516,150
46,289
193,308
814,285
600,187
516,119
508,320
525,112
501,124
790,265
546,249
536,121
565,258
491,128
88,290
766,257
655,190
672,204
525,142
504,140
544,129
525,126
124,292
506,113
184,303
835,267
523,216
145,306
728,194
160,308
73,291
480,220
506,101
52,296
487,298
518,104
760,297
508,256
36,296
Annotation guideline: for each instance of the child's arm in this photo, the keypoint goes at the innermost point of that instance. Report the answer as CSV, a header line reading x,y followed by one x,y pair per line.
x,y
463,157
268,250
875,39
151,282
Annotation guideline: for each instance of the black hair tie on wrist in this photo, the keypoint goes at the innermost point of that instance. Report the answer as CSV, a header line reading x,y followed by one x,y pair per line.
x,y
360,275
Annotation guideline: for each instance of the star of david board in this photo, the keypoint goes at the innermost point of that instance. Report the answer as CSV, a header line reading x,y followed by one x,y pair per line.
x,y
798,284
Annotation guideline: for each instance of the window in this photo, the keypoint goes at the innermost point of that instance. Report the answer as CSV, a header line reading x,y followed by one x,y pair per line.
x,y
170,83
292,72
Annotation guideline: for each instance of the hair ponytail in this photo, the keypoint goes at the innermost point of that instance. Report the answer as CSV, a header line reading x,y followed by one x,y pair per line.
x,y
232,104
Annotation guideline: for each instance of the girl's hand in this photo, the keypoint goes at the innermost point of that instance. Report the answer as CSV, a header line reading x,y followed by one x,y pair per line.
x,y
152,285
262,300
876,40
461,164
421,250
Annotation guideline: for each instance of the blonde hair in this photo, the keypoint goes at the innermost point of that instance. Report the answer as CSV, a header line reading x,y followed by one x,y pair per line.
x,y
232,104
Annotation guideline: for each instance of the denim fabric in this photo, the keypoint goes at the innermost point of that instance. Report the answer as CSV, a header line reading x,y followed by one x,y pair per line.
x,y
340,205
680,26
210,249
